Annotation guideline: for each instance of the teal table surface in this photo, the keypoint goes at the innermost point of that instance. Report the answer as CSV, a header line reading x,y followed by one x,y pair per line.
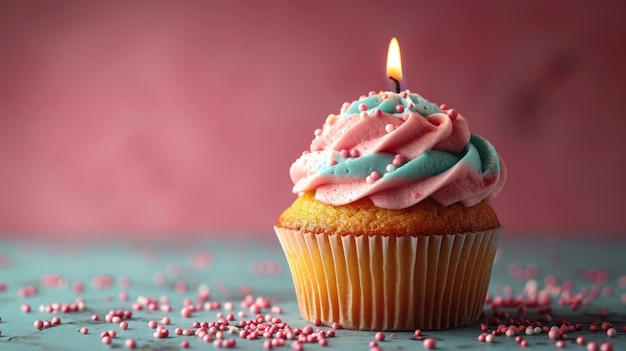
x,y
549,282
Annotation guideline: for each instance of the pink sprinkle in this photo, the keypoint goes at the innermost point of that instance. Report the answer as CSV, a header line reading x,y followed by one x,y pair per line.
x,y
336,325
25,308
38,324
184,344
124,325
130,343
606,346
380,336
95,317
489,338
399,108
152,324
363,107
166,320
611,332
452,114
417,333
389,128
430,343
317,322
372,344
56,321
554,334
112,333
186,312
580,340
106,340
84,330
560,344
378,113
524,343
592,346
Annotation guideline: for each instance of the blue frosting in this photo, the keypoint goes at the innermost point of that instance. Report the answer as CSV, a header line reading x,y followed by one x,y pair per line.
x,y
478,153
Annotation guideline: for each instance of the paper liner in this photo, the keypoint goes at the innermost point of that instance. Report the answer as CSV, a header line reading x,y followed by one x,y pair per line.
x,y
390,282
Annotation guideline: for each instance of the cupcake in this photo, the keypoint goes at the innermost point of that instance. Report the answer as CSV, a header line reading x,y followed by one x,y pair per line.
x,y
392,229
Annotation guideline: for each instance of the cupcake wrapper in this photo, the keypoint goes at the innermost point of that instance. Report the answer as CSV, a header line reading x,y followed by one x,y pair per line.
x,y
388,282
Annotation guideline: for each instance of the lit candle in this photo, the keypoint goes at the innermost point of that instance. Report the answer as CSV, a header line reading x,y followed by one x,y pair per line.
x,y
394,63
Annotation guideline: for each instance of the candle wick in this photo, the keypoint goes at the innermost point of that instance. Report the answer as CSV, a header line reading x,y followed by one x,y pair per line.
x,y
397,84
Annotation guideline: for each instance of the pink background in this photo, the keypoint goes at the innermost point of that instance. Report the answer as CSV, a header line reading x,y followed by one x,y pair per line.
x,y
170,118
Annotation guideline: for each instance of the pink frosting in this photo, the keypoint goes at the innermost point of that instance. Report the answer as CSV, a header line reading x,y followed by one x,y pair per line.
x,y
475,173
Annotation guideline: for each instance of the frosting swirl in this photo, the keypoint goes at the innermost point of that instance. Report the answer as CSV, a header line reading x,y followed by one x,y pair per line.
x,y
398,149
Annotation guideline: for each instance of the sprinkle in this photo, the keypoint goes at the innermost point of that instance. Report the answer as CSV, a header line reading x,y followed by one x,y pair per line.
x,y
363,115
389,128
106,340
317,322
417,333
452,114
25,308
390,168
166,320
344,107
606,346
184,344
380,336
372,177
152,324
84,330
56,321
355,153
430,343
363,107
378,113
38,324
130,343
399,108
186,312
611,332
336,325
124,325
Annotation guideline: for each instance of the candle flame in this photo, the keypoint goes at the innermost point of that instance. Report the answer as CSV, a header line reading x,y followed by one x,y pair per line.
x,y
394,62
